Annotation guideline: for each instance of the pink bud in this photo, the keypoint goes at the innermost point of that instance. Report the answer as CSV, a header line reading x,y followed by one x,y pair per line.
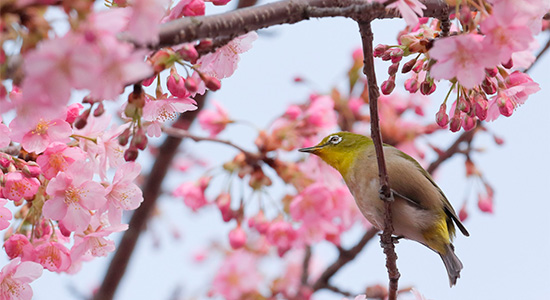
x,y
124,137
149,81
412,84
392,70
505,106
220,2
380,49
139,140
455,123
407,67
509,64
427,87
396,54
485,203
441,117
131,154
418,66
176,86
82,120
498,140
191,85
99,110
223,201
463,213
488,86
468,123
481,106
189,53
212,83
464,104
492,72
259,222
388,86
72,112
237,238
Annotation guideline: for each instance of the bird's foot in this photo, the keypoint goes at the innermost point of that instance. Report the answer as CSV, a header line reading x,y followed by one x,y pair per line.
x,y
394,240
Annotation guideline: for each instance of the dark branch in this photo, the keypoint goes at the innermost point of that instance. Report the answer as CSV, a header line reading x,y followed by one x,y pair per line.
x,y
305,265
466,136
241,21
385,191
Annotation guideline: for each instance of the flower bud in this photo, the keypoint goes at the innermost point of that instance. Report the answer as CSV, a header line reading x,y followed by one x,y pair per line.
x,y
455,123
412,84
492,72
396,55
407,67
82,120
124,137
223,201
418,66
131,154
139,140
388,85
498,140
191,85
161,60
392,70
441,117
99,110
464,104
463,213
468,123
488,86
481,107
380,49
509,64
505,106
72,112
237,238
204,45
212,83
189,53
427,87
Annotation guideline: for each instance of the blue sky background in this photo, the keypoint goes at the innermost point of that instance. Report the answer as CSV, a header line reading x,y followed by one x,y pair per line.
x,y
506,256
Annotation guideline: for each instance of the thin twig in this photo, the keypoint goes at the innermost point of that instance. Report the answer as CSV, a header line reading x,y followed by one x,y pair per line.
x,y
305,265
385,190
539,55
466,136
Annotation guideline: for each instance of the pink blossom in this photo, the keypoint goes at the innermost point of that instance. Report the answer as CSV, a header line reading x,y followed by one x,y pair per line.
x,y
320,113
518,88
214,121
5,214
223,62
73,194
410,10
18,186
73,111
159,111
4,134
463,57
237,276
53,256
110,152
144,21
95,243
176,85
237,237
57,158
123,193
313,203
18,245
193,193
55,67
36,132
503,37
15,278
282,235
186,8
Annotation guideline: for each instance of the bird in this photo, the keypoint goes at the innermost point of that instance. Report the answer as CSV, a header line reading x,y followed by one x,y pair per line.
x,y
420,210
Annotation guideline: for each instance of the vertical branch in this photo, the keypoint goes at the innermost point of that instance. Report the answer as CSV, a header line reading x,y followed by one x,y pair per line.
x,y
385,191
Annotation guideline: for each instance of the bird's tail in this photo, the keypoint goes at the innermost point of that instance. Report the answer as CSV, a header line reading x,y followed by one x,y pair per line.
x,y
452,263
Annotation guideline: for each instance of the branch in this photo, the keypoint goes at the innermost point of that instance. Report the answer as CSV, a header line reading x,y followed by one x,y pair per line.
x,y
241,21
345,257
305,265
182,133
385,191
151,191
539,55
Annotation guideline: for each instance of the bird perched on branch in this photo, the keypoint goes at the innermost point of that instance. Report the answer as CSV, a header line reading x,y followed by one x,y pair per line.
x,y
420,211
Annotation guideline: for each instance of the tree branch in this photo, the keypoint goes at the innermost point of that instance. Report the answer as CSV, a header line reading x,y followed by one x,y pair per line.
x,y
466,136
241,21
151,191
385,191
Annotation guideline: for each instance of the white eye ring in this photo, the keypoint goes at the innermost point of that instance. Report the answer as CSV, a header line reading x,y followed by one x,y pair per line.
x,y
335,139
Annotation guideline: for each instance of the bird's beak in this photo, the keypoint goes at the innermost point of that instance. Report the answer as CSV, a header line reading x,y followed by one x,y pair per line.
x,y
311,149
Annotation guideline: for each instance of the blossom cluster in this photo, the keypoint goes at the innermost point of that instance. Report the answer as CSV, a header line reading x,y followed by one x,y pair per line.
x,y
482,58
67,166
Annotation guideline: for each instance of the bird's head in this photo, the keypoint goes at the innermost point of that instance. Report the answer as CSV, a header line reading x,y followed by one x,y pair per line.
x,y
340,149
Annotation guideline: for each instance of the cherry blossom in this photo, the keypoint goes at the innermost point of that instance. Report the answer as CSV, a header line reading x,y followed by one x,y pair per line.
x,y
73,194
282,235
237,276
5,214
53,256
463,57
159,111
193,193
18,245
15,278
237,237
223,62
17,186
410,10
144,20
4,134
95,242
36,132
123,193
57,158
214,121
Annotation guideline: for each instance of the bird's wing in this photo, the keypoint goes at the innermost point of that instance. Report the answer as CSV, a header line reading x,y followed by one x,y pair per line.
x,y
448,208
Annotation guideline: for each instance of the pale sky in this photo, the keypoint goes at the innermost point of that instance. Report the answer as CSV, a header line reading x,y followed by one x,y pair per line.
x,y
506,256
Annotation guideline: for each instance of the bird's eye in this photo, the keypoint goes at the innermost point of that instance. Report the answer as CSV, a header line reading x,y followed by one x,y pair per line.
x,y
335,139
